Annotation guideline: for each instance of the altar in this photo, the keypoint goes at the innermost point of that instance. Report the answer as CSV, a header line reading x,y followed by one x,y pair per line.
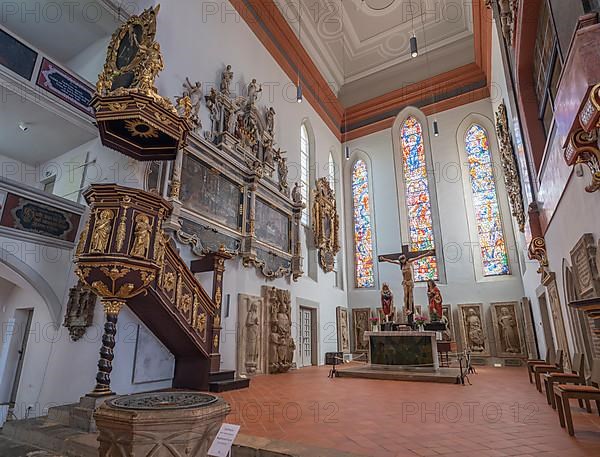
x,y
403,350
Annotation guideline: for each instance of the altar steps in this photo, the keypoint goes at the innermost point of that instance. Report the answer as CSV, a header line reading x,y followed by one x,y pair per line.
x,y
443,375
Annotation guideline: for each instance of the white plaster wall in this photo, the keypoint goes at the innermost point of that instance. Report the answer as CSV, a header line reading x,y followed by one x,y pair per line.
x,y
450,170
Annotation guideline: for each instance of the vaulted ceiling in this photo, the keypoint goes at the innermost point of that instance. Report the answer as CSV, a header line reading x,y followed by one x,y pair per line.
x,y
361,47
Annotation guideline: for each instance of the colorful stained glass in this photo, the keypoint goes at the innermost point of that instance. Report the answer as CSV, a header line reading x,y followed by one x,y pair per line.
x,y
420,221
363,235
485,202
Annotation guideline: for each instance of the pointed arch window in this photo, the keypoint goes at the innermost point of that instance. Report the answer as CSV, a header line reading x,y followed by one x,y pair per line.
x,y
491,239
418,200
363,233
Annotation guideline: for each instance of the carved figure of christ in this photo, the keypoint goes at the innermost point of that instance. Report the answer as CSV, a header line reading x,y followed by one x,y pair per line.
x,y
406,259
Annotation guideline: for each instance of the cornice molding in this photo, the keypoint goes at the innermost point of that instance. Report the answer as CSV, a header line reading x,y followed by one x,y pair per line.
x,y
455,88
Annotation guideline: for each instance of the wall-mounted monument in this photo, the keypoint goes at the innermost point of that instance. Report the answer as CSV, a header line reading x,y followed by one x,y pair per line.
x,y
325,224
473,330
281,345
360,325
251,344
343,331
80,310
133,118
230,186
448,334
507,331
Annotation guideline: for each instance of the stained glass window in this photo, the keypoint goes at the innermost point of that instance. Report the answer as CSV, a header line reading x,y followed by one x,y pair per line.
x,y
418,201
363,235
304,170
485,202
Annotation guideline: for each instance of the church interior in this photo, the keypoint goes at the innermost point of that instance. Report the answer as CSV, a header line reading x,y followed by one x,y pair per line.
x,y
308,228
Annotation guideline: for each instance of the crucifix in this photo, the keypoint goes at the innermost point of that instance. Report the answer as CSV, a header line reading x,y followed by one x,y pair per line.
x,y
406,259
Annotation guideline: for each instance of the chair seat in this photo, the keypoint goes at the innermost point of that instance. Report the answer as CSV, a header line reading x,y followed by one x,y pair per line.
x,y
576,389
561,375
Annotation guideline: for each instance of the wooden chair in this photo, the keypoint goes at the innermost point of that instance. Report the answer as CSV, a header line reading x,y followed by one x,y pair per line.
x,y
564,392
532,362
577,376
540,369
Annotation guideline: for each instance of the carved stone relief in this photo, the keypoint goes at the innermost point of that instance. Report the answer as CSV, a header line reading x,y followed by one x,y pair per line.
x,y
448,334
343,333
360,325
251,335
278,320
557,317
80,310
530,339
507,330
473,330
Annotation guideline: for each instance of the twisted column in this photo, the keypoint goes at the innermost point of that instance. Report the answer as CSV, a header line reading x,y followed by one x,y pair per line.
x,y
111,309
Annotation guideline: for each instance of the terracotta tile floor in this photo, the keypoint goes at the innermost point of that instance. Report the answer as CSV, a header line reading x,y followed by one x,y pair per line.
x,y
501,414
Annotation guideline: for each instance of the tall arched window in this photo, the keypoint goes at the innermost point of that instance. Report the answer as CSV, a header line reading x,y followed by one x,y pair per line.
x,y
418,201
304,170
494,257
331,173
363,234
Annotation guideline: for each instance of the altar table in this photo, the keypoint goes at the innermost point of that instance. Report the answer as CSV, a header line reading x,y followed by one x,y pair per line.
x,y
403,350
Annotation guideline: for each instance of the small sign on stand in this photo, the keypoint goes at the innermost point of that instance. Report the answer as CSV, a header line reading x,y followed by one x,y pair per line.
x,y
221,446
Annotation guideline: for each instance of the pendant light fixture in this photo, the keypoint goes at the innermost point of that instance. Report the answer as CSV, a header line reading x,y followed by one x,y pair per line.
x,y
436,127
414,49
299,85
346,147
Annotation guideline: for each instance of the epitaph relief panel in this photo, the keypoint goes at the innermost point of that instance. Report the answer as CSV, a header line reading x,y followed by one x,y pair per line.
x,y
360,325
507,330
80,310
251,343
449,333
585,270
343,333
278,327
472,328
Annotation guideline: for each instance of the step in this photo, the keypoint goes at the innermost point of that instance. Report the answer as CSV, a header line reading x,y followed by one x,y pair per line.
x,y
61,414
226,386
41,432
223,375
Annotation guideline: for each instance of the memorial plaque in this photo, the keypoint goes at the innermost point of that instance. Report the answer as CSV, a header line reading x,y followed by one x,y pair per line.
x,y
15,56
30,216
272,226
65,86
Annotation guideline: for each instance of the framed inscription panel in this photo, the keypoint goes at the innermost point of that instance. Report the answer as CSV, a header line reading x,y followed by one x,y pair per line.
x,y
272,226
208,193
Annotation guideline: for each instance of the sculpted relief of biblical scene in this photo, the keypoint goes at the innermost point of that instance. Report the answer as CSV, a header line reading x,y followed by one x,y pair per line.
x,y
473,330
281,345
360,325
251,335
343,331
507,332
80,310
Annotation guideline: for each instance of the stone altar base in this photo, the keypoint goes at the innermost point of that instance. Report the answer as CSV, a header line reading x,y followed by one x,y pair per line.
x,y
159,424
442,375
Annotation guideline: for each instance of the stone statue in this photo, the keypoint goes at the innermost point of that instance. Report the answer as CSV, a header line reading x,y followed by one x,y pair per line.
x,y
194,93
253,90
281,343
361,325
387,302
408,282
435,300
252,336
102,229
226,78
297,193
474,328
268,157
141,241
508,331
270,120
282,170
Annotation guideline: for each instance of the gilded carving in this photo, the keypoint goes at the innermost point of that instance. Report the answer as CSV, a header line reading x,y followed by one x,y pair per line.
x,y
83,238
141,241
102,229
509,165
80,310
325,224
122,229
169,282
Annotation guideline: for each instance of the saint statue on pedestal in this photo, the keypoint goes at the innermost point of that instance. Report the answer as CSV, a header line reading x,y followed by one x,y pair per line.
x,y
435,300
